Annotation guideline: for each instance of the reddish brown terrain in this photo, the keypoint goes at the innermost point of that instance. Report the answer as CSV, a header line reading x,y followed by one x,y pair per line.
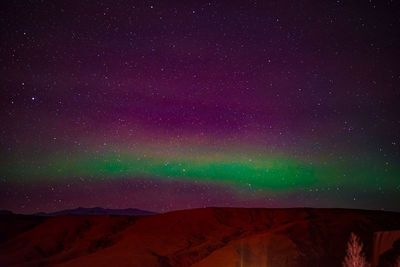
x,y
199,237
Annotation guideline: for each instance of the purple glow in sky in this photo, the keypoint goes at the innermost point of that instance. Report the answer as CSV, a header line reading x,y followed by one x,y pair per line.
x,y
170,105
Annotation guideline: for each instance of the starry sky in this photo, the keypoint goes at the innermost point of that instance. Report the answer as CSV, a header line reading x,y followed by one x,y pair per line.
x,y
166,105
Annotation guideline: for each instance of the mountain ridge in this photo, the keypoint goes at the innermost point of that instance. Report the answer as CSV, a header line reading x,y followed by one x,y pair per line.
x,y
98,211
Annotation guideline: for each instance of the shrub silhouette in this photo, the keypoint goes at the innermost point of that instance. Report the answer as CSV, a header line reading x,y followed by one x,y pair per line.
x,y
354,255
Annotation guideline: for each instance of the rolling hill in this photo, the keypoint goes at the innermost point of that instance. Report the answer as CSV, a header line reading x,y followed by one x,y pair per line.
x,y
199,237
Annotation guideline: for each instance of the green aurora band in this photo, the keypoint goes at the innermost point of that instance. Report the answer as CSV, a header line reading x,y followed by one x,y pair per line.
x,y
267,172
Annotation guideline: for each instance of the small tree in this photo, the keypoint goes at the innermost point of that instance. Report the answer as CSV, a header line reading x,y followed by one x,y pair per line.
x,y
354,256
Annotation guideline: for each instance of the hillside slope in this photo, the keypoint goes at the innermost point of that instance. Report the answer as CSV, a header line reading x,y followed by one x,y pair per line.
x,y
199,237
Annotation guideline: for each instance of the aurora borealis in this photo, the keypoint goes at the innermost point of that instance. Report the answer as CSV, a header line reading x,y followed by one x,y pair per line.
x,y
173,105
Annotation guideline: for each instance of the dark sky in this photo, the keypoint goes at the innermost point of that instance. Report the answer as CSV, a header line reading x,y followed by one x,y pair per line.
x,y
181,104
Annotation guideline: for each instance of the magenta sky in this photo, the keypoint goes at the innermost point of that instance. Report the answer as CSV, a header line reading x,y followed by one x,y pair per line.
x,y
313,82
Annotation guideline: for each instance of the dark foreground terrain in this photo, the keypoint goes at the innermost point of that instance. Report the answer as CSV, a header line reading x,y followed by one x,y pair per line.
x,y
199,237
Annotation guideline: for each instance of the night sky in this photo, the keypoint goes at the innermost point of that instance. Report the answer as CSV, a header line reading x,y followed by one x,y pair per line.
x,y
174,105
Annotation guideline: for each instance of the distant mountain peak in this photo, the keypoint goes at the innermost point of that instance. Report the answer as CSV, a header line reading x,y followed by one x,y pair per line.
x,y
6,212
98,211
